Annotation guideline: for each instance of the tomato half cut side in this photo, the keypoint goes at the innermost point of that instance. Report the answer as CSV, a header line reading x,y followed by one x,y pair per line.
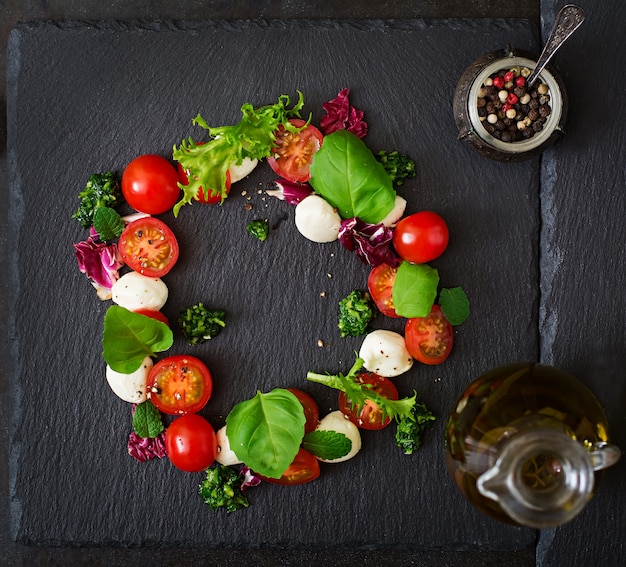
x,y
293,152
369,416
191,443
148,246
304,468
380,285
180,384
311,409
429,339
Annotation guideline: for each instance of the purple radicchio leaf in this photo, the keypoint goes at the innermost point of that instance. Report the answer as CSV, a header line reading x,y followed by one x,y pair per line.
x,y
249,478
370,242
290,191
145,448
340,115
99,261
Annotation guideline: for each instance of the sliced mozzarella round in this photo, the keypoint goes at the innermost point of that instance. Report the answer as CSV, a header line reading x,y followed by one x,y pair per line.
x,y
225,455
245,168
317,220
338,422
396,213
385,353
131,387
135,291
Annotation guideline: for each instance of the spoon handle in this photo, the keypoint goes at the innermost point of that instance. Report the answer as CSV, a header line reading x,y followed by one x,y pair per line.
x,y
567,21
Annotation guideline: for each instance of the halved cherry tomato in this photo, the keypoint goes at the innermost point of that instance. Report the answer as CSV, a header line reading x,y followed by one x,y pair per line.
x,y
370,416
180,384
150,184
213,196
153,314
149,247
380,285
293,152
191,443
421,237
311,409
429,339
304,468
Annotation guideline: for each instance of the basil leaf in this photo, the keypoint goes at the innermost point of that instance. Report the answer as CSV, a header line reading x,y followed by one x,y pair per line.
x,y
147,420
327,444
414,290
108,223
345,173
454,305
265,432
129,337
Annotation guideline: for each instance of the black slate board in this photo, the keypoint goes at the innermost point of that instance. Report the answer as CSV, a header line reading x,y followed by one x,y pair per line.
x,y
85,98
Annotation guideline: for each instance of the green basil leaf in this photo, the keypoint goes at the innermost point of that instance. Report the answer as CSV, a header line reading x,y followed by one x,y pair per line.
x,y
327,444
108,223
454,305
147,420
265,432
129,337
345,173
415,289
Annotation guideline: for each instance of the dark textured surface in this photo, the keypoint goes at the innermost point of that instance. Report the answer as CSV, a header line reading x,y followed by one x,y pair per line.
x,y
104,127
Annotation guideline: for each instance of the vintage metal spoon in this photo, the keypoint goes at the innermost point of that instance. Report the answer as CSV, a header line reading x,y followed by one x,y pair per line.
x,y
566,23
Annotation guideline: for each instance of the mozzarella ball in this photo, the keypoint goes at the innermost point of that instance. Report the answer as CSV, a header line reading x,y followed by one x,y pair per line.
x,y
245,168
225,455
317,220
338,422
135,291
385,353
131,387
396,213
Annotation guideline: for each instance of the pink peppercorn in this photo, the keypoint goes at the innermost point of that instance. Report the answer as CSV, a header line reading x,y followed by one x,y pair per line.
x,y
498,82
509,76
512,98
520,81
506,106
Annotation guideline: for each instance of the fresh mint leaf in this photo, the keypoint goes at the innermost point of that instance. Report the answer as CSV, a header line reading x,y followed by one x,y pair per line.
x,y
454,305
266,431
108,223
129,337
414,290
147,420
327,444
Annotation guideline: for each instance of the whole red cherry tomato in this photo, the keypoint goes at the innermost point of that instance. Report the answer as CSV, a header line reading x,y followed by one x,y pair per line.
x,y
421,237
150,184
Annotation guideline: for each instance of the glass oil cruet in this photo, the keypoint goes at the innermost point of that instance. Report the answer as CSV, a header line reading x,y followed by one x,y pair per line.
x,y
525,444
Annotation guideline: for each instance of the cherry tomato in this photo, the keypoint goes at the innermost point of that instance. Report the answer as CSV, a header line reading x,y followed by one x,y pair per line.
x,y
421,237
191,443
380,285
304,468
149,247
150,184
311,409
213,196
293,152
180,384
429,339
153,314
370,415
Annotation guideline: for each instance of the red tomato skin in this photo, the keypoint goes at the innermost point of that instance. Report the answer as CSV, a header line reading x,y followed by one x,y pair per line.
x,y
429,339
213,197
380,285
370,416
421,237
150,184
310,407
293,153
154,315
128,246
304,468
164,394
191,443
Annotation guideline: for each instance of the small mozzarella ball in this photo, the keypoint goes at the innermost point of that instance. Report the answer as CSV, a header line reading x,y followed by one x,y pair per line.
x,y
338,422
317,220
131,387
135,291
225,455
245,168
385,353
396,213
